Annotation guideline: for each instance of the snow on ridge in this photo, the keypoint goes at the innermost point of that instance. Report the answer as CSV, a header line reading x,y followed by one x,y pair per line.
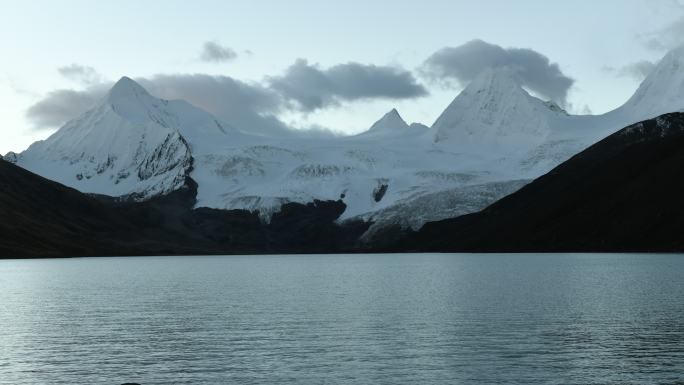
x,y
125,89
662,91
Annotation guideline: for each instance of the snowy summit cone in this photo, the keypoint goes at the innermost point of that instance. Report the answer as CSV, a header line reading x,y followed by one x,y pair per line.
x,y
391,121
130,100
126,88
493,109
390,126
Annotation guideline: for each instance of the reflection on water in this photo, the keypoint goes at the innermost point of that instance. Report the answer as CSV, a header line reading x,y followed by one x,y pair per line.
x,y
354,319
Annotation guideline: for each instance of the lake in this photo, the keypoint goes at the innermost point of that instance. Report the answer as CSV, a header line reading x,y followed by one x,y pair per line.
x,y
344,319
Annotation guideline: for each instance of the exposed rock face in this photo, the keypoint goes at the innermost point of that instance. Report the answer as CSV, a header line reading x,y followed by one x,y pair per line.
x,y
10,157
380,191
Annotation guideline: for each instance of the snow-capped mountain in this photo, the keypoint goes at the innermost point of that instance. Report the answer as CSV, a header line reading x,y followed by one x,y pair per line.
x,y
122,147
491,140
389,123
393,125
495,111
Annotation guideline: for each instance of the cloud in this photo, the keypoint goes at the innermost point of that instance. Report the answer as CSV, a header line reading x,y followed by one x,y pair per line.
x,y
586,110
59,106
216,53
243,105
637,71
80,74
465,62
666,38
252,107
311,87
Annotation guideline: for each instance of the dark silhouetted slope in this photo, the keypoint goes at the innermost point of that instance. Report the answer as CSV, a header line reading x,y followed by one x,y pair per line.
x,y
625,193
41,218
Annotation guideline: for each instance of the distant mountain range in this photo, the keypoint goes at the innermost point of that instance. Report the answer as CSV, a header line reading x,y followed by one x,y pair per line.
x,y
621,194
493,139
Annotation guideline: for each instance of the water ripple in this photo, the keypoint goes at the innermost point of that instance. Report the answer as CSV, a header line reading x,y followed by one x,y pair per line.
x,y
356,319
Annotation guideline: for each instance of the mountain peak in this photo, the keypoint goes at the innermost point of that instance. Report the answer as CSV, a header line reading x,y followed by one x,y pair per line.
x,y
493,108
126,88
393,115
391,121
130,100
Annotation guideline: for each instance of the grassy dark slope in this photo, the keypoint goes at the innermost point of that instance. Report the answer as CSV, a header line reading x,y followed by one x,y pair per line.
x,y
41,218
625,193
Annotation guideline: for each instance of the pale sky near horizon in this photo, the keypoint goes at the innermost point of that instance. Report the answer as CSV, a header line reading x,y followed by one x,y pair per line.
x,y
602,45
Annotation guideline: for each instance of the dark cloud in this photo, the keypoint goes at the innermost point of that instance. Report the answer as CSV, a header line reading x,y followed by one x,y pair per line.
x,y
464,62
242,105
80,73
59,106
214,52
314,88
247,106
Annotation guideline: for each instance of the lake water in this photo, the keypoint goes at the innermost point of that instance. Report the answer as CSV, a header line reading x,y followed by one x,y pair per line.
x,y
344,319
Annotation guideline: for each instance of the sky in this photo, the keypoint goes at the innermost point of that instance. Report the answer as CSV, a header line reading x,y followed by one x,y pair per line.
x,y
320,65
